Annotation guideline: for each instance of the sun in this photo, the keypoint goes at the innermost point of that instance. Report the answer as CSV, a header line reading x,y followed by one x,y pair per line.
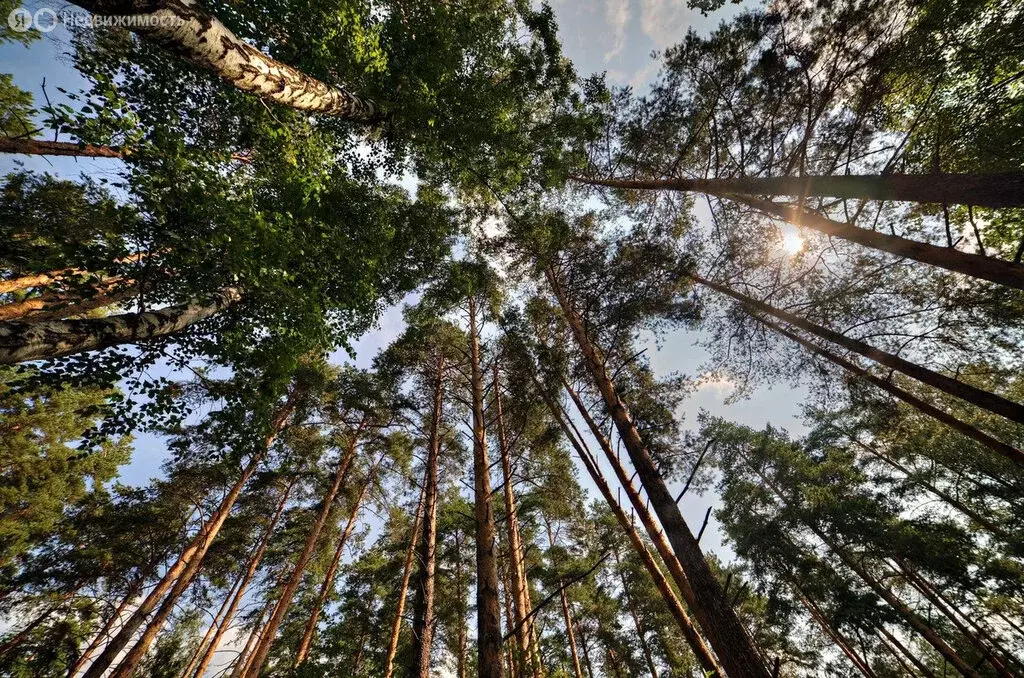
x,y
792,243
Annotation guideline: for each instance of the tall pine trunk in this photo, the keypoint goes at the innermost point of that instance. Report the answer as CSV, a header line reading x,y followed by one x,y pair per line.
x,y
521,604
250,572
403,589
920,405
182,27
990,401
841,642
179,575
722,627
997,190
641,633
686,626
994,270
24,341
328,583
423,601
488,607
259,655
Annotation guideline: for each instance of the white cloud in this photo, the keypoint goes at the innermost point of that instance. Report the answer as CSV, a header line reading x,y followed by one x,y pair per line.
x,y
616,15
666,21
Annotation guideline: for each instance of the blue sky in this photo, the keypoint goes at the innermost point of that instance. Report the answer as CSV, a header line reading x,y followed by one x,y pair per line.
x,y
615,36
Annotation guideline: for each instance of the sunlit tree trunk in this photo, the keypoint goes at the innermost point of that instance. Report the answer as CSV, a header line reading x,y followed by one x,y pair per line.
x,y
570,633
833,633
328,583
180,574
182,27
250,572
259,655
641,633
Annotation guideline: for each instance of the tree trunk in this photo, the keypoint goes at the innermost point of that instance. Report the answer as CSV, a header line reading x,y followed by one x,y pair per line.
x,y
180,574
250,572
328,583
686,626
259,655
244,658
40,279
995,190
182,27
833,633
215,624
43,308
489,637
922,406
74,149
976,396
403,590
566,614
423,592
586,653
521,604
732,644
898,648
514,659
641,633
462,668
994,270
24,341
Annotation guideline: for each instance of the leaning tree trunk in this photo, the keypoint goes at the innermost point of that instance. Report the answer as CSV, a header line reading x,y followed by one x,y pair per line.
x,y
423,601
250,572
328,583
675,607
733,646
996,190
182,27
901,653
521,604
259,655
24,341
31,280
1011,453
990,401
489,639
641,632
65,148
180,574
410,552
837,638
994,270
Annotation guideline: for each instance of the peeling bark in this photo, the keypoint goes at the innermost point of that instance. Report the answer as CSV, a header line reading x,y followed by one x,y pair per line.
x,y
183,28
24,341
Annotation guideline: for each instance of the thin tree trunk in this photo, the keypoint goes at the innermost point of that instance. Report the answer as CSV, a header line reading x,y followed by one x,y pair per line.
x,y
990,401
403,590
20,637
180,574
586,652
40,279
423,591
922,586
182,27
215,624
250,572
566,614
100,635
996,190
521,604
900,648
292,585
463,641
994,270
242,661
732,644
686,626
24,341
960,506
328,583
489,638
833,633
922,406
512,655
641,633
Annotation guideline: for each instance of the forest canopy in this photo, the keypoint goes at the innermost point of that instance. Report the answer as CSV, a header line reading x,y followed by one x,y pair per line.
x,y
379,295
